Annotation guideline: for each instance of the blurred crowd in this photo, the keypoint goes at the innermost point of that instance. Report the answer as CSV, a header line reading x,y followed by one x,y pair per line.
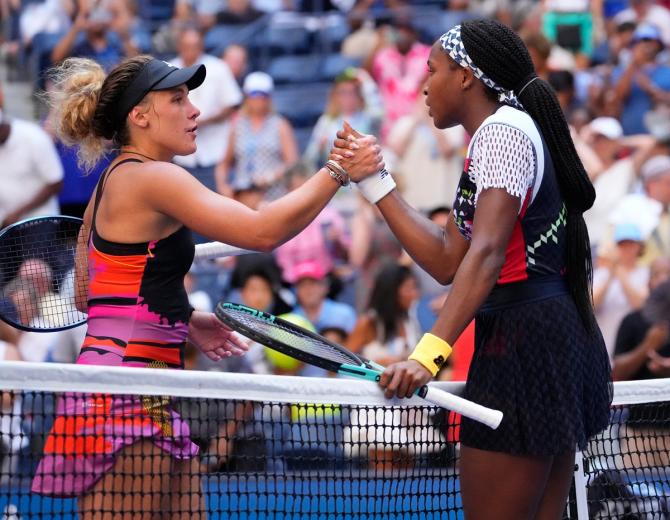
x,y
346,276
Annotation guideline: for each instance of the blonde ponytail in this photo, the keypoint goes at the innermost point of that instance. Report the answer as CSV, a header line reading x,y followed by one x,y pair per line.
x,y
77,83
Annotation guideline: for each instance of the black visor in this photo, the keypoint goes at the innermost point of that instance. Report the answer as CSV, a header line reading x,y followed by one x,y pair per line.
x,y
158,75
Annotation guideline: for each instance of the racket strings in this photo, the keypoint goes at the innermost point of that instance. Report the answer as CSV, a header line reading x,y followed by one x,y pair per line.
x,y
291,337
37,288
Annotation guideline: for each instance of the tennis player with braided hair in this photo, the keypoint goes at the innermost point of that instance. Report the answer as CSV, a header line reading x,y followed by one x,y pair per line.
x,y
518,255
125,456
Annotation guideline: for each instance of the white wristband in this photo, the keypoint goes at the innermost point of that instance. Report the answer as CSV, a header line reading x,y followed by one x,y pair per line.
x,y
377,186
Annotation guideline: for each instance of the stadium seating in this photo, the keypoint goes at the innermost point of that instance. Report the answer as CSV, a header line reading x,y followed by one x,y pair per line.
x,y
302,104
295,69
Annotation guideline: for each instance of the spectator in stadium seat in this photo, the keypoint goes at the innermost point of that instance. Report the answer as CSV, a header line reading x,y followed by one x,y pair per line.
x,y
126,21
373,244
325,240
643,82
32,174
615,173
362,39
388,329
648,12
429,160
311,289
202,12
539,48
655,174
619,281
400,71
217,98
98,43
236,57
642,353
238,12
354,97
261,145
640,344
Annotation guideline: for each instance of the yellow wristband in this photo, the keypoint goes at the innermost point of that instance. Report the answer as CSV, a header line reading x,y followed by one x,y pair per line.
x,y
432,352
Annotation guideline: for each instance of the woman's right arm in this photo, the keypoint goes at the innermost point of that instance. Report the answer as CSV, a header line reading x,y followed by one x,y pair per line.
x,y
439,251
170,190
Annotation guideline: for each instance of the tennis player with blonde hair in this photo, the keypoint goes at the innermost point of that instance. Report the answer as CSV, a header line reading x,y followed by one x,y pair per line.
x,y
136,234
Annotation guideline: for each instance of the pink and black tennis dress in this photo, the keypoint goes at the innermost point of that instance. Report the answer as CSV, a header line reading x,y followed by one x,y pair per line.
x,y
534,359
138,314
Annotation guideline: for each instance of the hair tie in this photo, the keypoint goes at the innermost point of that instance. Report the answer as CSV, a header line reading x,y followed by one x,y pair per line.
x,y
527,83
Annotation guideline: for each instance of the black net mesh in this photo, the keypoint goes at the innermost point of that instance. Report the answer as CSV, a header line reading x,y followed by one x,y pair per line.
x,y
254,459
119,455
627,467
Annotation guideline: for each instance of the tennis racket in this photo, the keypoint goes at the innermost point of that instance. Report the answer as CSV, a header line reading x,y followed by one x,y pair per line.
x,y
37,261
311,348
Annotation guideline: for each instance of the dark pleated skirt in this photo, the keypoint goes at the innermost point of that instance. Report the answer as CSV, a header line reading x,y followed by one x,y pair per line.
x,y
535,360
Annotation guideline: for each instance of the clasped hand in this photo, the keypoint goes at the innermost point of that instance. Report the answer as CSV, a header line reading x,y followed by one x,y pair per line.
x,y
358,154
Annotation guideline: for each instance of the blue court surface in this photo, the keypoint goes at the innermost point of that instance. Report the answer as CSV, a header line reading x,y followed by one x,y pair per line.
x,y
245,496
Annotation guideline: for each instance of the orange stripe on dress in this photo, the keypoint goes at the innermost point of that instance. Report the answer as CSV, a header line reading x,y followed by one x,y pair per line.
x,y
169,353
115,275
100,342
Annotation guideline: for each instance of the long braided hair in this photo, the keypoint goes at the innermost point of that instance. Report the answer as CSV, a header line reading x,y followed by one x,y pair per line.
x,y
502,55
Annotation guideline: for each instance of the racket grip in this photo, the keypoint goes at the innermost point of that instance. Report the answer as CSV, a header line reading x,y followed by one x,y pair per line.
x,y
477,412
212,250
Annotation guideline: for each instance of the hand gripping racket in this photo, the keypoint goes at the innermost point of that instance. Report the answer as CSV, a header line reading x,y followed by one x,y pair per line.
x,y
316,350
37,260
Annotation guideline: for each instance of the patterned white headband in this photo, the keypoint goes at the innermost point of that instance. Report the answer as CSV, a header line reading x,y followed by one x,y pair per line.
x,y
452,43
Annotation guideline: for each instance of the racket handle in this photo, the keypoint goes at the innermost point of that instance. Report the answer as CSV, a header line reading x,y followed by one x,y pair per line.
x,y
477,412
212,250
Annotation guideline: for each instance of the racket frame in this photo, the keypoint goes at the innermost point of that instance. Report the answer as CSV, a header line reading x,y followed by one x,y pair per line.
x,y
367,369
37,220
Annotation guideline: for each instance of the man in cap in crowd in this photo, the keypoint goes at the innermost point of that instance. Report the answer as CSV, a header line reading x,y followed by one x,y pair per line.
x,y
614,175
643,82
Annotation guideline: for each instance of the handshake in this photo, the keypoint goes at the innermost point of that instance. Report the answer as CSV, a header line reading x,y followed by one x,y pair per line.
x,y
358,157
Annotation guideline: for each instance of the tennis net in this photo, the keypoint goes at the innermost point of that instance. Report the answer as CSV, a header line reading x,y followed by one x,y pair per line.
x,y
248,446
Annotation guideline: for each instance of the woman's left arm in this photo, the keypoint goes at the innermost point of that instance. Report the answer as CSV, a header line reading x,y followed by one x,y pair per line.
x,y
477,274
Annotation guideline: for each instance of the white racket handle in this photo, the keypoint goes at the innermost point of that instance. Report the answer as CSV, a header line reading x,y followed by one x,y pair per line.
x,y
211,250
477,412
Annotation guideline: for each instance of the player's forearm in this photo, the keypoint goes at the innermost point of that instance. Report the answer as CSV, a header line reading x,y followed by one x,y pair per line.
x,y
474,280
284,218
424,240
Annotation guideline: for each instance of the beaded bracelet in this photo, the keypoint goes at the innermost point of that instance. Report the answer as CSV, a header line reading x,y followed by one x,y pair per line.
x,y
338,173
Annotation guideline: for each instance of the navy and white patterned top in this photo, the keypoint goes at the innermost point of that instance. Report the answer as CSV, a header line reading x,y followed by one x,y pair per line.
x,y
507,152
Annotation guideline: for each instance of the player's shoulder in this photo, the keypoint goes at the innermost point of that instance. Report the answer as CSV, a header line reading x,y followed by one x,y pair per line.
x,y
157,172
